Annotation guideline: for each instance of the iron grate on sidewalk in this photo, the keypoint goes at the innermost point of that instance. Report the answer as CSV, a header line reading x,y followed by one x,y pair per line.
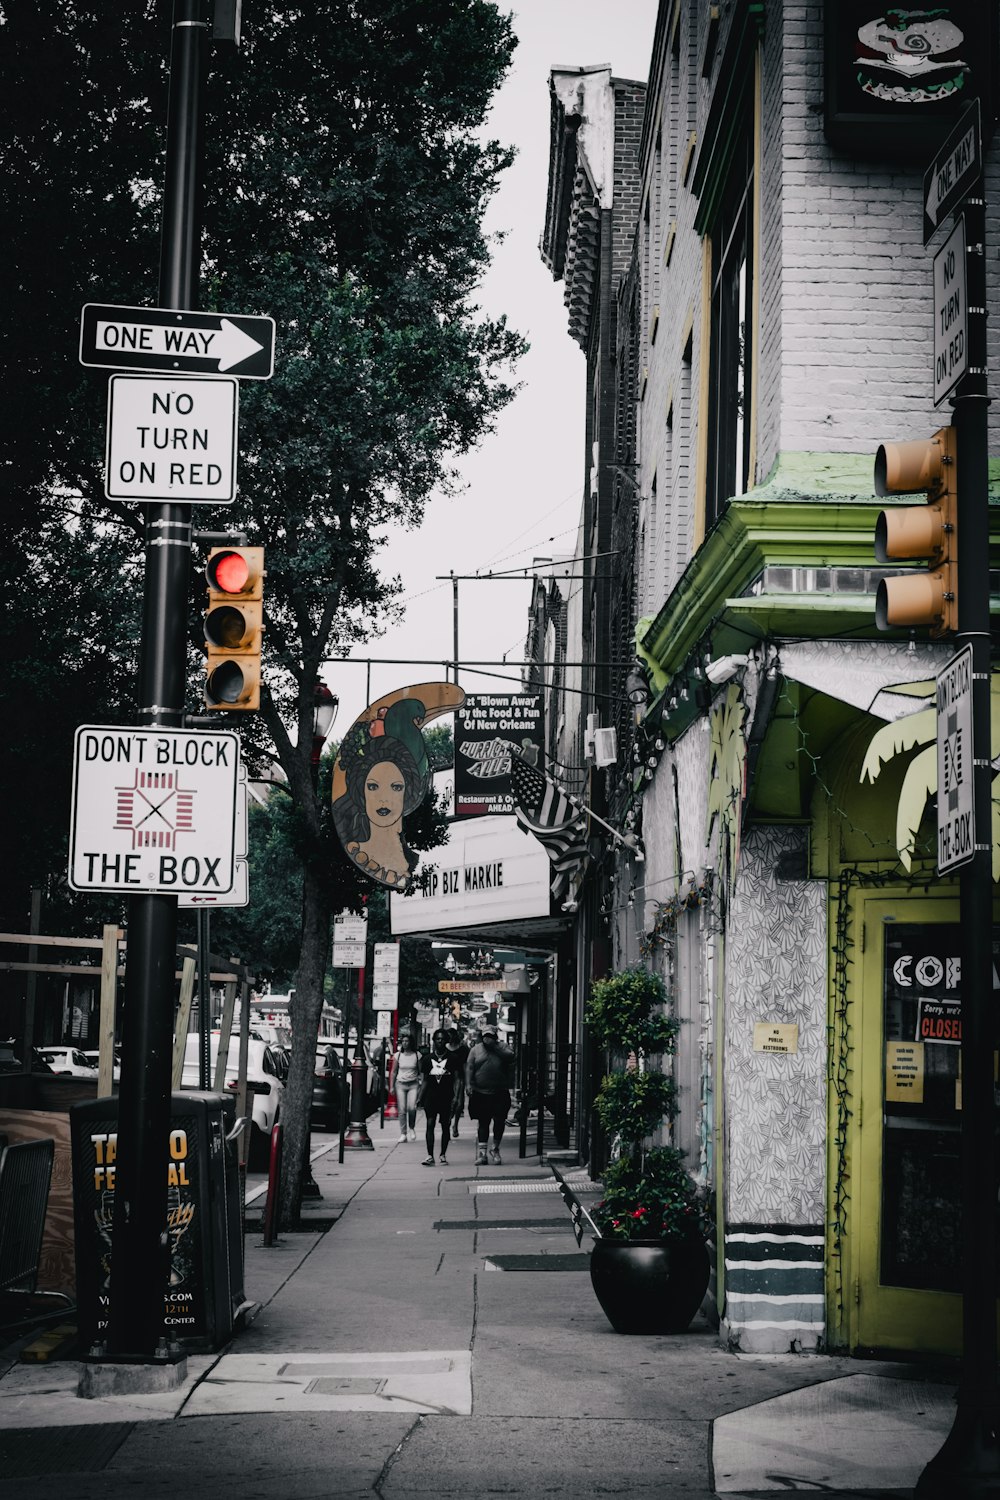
x,y
532,1187
28,1453
543,1262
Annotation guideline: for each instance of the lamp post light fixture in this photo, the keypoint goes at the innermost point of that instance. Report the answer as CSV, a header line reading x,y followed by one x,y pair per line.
x,y
637,685
325,705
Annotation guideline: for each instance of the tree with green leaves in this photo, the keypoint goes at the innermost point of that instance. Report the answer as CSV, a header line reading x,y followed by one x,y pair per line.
x,y
346,177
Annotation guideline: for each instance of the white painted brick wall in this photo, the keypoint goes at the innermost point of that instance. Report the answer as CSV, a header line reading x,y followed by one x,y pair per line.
x,y
845,354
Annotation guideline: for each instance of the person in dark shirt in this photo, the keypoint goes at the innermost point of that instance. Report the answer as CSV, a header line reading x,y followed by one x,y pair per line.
x,y
460,1052
489,1074
437,1072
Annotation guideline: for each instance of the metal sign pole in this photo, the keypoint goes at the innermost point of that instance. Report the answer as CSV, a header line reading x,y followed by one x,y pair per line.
x,y
968,1464
139,1235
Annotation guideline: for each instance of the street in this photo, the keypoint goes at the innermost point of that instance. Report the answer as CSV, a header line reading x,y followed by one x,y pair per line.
x,y
420,1346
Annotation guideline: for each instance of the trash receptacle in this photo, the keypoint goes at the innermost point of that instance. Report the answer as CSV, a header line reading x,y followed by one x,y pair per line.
x,y
203,1214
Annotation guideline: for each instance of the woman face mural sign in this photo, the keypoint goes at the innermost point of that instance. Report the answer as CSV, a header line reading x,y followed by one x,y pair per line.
x,y
382,774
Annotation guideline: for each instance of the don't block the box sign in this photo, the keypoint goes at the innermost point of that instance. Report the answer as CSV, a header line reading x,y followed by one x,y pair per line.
x,y
489,871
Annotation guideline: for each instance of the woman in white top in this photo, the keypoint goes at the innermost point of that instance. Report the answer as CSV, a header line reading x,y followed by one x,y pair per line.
x,y
406,1079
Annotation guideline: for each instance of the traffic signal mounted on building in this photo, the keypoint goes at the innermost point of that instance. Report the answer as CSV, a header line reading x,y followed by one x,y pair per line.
x,y
234,627
919,531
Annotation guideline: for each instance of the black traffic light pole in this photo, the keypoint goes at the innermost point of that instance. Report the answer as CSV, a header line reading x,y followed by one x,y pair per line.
x,y
968,1464
140,1251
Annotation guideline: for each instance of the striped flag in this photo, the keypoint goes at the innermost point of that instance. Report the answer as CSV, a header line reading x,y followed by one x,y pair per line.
x,y
545,810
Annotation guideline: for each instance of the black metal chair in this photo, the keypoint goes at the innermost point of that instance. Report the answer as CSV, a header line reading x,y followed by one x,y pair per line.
x,y
25,1175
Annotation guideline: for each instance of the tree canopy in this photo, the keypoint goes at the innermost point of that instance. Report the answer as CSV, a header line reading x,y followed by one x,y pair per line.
x,y
346,175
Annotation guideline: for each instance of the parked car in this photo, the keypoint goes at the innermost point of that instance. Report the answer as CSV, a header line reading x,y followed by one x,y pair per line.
x,y
265,1089
94,1059
68,1061
11,1063
327,1085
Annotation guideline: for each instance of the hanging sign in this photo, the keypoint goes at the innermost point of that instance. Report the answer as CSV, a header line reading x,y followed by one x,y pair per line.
x,y
488,728
382,774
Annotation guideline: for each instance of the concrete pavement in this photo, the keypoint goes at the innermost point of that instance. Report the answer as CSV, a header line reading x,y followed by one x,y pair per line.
x,y
442,1337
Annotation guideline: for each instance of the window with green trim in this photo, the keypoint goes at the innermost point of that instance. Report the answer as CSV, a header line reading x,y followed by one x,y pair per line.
x,y
730,347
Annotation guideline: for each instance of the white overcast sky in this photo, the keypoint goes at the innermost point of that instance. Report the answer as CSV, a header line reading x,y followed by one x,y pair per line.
x,y
523,486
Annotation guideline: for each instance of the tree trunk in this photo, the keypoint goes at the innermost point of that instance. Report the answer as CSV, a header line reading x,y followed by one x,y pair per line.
x,y
305,1010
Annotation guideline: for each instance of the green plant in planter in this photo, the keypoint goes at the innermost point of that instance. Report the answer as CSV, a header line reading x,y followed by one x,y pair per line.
x,y
650,1196
632,1104
624,1013
648,1192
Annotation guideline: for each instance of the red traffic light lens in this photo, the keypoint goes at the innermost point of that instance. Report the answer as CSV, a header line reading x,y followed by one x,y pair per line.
x,y
229,571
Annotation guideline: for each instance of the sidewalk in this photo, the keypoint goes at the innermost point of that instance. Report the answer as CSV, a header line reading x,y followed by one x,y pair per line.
x,y
442,1339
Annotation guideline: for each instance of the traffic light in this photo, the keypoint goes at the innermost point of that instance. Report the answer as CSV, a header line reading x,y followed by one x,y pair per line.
x,y
234,626
919,531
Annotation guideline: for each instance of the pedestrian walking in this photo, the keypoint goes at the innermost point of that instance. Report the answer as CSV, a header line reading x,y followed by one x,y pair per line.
x,y
437,1077
460,1052
406,1080
489,1074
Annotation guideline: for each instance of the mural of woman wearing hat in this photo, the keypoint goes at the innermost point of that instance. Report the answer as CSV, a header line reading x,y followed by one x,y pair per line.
x,y
382,774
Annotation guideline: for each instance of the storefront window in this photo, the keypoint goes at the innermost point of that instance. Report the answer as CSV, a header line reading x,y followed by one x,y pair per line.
x,y
921,1177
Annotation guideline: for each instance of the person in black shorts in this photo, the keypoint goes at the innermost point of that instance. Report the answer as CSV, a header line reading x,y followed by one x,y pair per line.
x,y
437,1073
489,1074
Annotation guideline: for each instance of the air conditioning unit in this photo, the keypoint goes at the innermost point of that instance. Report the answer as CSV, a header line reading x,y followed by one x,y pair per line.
x,y
605,747
588,737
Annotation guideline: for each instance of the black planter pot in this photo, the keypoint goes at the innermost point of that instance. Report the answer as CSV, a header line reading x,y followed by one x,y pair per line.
x,y
649,1286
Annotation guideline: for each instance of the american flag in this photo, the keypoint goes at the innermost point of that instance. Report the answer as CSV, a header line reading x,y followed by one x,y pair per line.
x,y
545,810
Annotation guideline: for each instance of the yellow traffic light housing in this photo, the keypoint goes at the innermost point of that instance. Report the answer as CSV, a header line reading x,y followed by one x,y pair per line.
x,y
234,627
919,531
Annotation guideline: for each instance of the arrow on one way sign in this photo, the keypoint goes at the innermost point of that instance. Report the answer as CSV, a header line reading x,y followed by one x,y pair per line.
x,y
160,338
956,169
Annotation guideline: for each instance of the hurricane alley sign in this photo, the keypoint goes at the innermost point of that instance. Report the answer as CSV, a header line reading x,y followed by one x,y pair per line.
x,y
154,810
193,343
489,727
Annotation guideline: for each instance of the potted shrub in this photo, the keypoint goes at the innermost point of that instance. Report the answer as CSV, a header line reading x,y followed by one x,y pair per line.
x,y
649,1267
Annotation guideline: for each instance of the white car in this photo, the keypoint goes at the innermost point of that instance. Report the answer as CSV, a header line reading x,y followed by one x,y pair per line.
x,y
94,1059
68,1061
264,1087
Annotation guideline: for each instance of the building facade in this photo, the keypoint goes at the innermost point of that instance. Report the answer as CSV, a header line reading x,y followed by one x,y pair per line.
x,y
772,325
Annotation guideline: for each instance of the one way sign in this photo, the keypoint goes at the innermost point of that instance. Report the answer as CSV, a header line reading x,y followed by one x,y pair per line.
x,y
160,338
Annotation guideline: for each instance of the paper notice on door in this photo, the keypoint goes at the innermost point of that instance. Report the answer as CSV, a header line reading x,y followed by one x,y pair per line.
x,y
904,1072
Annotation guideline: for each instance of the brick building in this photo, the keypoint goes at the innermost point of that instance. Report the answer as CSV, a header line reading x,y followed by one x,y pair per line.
x,y
769,328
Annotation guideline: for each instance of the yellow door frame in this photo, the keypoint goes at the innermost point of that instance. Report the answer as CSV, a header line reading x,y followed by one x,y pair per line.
x,y
890,1317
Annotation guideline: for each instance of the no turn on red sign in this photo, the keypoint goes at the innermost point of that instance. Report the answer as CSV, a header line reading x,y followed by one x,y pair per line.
x,y
172,438
154,810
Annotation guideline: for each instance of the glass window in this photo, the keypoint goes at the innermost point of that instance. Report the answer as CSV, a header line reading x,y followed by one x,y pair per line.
x,y
921,1161
731,353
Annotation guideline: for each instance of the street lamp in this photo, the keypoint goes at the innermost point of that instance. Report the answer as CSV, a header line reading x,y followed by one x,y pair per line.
x,y
637,684
325,705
